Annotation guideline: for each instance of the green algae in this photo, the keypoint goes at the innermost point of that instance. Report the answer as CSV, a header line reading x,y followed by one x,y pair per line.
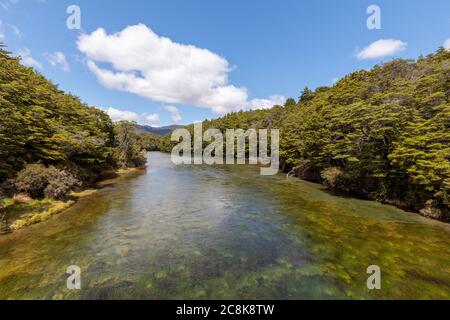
x,y
225,233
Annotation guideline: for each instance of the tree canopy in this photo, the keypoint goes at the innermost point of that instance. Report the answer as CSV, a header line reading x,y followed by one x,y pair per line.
x,y
41,124
385,133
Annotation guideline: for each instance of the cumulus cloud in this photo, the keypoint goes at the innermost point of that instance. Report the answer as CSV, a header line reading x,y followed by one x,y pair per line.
x,y
28,60
447,44
58,59
146,64
143,118
119,115
381,48
174,113
152,118
266,103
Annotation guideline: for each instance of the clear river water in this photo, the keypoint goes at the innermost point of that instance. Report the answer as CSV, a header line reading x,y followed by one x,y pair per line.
x,y
225,232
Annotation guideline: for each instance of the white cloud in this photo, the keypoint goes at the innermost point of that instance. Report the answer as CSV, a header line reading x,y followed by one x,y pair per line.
x,y
28,60
58,59
174,113
2,34
447,44
144,63
7,3
143,118
266,103
15,30
118,115
381,48
152,117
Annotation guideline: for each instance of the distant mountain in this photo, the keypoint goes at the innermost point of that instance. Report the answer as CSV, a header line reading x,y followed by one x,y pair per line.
x,y
160,131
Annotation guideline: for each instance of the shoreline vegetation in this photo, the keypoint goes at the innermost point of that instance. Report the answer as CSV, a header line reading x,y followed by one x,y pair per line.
x,y
22,211
382,134
52,145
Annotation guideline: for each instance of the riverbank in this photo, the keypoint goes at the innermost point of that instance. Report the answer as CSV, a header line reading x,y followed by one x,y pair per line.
x,y
21,211
205,232
426,211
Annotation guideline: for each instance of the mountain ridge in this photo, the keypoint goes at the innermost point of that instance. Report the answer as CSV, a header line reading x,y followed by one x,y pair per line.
x,y
159,131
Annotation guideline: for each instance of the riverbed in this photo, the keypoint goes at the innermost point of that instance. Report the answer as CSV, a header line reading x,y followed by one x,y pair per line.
x,y
225,232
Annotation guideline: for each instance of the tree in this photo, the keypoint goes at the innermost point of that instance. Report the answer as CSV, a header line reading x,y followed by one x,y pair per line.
x,y
382,134
40,123
305,96
150,142
290,102
38,181
128,151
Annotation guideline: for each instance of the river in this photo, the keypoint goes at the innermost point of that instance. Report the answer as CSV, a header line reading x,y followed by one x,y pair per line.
x,y
225,232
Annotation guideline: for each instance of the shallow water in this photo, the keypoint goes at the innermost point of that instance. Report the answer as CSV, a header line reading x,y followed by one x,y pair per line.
x,y
225,232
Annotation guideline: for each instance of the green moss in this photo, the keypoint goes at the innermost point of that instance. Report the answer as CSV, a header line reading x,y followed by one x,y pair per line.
x,y
270,239
19,215
84,193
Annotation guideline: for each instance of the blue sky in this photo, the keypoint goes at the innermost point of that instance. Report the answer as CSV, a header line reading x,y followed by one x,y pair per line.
x,y
257,51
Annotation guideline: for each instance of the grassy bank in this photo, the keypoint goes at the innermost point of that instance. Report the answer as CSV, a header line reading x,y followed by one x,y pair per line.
x,y
17,215
22,211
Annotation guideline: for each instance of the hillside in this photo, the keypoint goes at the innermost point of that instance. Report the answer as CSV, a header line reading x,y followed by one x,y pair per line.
x,y
41,124
382,134
52,144
159,131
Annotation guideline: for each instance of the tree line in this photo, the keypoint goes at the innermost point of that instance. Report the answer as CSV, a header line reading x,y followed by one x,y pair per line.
x,y
50,141
382,134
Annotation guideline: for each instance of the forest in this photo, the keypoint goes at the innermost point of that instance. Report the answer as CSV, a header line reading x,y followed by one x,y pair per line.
x,y
51,142
381,134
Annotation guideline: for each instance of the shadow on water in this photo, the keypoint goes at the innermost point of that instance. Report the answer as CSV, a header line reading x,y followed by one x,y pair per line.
x,y
225,232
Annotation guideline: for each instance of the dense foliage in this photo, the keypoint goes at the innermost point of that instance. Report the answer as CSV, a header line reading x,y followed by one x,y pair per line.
x,y
41,124
382,134
129,150
150,142
39,181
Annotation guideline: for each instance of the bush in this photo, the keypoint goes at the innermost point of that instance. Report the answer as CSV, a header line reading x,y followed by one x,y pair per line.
x,y
59,185
32,180
333,178
38,181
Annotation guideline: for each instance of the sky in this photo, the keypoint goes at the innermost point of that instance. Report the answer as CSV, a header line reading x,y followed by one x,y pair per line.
x,y
161,62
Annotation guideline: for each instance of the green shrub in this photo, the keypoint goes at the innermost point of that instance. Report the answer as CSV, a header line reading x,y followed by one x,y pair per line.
x,y
59,185
33,180
38,181
333,177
